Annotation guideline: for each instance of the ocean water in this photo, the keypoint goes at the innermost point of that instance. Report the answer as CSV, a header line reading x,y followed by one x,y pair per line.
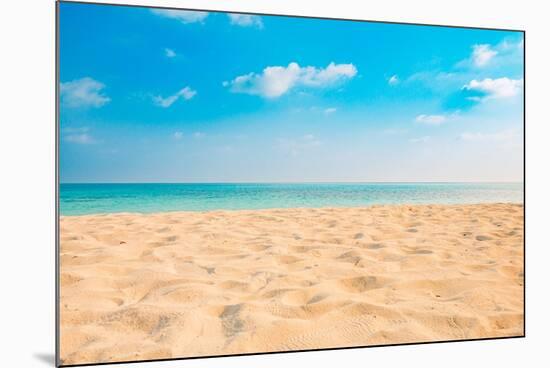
x,y
80,199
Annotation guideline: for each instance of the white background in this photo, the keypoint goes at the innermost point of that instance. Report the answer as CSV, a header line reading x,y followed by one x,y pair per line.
x,y
27,182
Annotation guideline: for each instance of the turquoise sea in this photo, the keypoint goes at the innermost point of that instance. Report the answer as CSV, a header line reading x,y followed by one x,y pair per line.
x,y
80,199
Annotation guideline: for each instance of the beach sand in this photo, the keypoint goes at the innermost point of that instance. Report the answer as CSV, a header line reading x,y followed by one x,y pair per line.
x,y
184,284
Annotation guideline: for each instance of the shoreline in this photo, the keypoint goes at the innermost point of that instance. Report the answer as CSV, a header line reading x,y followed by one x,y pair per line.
x,y
375,205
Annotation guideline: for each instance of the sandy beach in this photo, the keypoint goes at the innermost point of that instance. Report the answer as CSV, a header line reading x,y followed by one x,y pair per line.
x,y
183,284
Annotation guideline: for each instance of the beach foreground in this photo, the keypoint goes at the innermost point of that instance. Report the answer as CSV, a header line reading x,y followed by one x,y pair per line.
x,y
183,284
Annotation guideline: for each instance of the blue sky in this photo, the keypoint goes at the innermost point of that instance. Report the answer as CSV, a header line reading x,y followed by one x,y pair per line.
x,y
150,95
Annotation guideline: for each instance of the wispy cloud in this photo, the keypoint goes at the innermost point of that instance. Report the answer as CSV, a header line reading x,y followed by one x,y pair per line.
x,y
437,80
184,16
169,53
78,135
177,136
246,20
482,54
84,92
423,139
83,138
393,80
494,88
512,46
298,145
330,110
198,135
461,87
275,81
485,56
186,93
505,135
431,119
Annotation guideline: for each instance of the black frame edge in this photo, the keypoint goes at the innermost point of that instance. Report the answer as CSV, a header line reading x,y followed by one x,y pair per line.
x,y
294,351
57,354
524,185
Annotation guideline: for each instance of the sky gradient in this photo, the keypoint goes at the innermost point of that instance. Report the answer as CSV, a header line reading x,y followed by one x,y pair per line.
x,y
157,95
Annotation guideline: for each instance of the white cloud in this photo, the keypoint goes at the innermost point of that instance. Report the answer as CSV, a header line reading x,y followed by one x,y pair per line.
x,y
439,81
506,52
177,135
78,135
521,44
508,45
275,81
246,20
83,138
198,135
84,92
69,130
431,119
482,54
186,93
504,135
330,110
170,53
495,88
423,139
394,79
183,16
296,146
333,73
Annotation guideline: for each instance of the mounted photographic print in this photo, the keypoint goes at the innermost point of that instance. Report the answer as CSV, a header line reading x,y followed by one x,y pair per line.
x,y
235,184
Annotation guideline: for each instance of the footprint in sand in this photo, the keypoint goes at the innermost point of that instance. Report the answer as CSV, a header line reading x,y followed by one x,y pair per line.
x,y
483,238
375,246
359,236
421,251
361,283
350,257
210,270
231,322
317,298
